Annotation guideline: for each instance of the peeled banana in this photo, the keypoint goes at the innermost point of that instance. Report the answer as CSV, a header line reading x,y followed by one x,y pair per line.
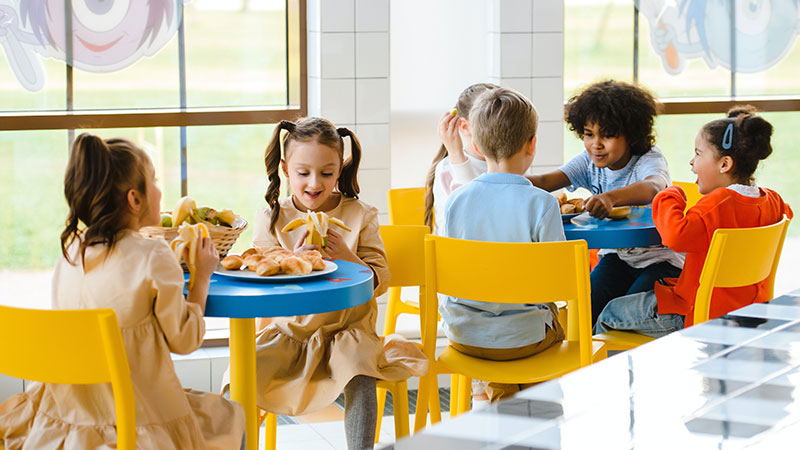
x,y
185,246
186,210
317,225
183,209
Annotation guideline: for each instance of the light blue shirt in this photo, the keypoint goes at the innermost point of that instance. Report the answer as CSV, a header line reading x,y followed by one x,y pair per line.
x,y
582,172
499,207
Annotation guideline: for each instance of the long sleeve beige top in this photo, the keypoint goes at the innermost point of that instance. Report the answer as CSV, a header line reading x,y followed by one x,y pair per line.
x,y
143,283
304,362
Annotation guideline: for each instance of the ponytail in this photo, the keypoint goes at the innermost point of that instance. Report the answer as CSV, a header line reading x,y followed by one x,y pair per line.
x,y
440,155
348,180
744,136
98,176
272,161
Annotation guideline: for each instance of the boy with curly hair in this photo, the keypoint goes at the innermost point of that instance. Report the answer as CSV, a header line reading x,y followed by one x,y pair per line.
x,y
621,166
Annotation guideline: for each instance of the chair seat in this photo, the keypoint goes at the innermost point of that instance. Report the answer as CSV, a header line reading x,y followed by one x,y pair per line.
x,y
622,340
551,363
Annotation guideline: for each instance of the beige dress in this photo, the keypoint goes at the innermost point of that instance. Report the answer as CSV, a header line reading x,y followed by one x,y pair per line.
x,y
304,362
143,283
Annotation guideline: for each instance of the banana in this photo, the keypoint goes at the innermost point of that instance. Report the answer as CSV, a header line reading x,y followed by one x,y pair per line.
x,y
183,209
188,238
226,216
317,224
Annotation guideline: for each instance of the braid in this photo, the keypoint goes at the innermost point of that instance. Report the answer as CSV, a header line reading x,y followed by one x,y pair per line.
x,y
348,180
272,161
440,155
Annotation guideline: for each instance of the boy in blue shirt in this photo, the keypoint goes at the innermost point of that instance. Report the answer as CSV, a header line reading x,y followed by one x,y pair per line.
x,y
502,206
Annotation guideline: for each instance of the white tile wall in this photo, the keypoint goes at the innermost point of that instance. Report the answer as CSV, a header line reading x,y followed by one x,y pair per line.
x,y
372,15
494,55
372,55
314,96
549,144
374,185
313,42
312,15
548,54
548,15
9,386
375,145
336,55
337,100
523,85
336,15
516,16
515,55
548,97
372,100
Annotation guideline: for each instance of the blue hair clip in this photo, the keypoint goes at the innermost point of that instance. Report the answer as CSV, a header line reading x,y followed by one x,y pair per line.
x,y
727,139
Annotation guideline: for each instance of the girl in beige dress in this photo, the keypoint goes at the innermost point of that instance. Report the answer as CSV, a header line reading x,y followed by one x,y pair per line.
x,y
111,192
304,362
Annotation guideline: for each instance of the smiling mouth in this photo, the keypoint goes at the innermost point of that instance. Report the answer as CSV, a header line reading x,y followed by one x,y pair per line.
x,y
98,48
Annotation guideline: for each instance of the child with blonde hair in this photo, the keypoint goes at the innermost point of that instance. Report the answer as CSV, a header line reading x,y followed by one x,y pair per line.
x,y
105,263
511,209
726,155
456,163
305,362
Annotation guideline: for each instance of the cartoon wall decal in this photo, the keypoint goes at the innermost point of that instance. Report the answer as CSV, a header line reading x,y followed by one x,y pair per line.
x,y
107,35
765,31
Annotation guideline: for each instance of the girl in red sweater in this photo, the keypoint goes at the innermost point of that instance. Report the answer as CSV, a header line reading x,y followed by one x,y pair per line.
x,y
727,152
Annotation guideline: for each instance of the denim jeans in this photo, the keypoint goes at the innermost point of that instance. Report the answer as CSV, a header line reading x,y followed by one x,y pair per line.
x,y
638,313
613,277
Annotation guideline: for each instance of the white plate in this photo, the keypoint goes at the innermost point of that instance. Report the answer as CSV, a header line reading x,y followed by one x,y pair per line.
x,y
248,275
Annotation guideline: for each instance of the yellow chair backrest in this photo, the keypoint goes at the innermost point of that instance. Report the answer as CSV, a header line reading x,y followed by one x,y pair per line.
x,y
510,273
739,257
407,206
405,253
70,347
692,192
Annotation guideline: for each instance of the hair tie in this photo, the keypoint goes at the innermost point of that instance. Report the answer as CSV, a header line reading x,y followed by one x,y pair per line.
x,y
287,125
727,138
343,132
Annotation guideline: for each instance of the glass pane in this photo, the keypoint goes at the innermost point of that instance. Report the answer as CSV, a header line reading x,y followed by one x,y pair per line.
x,y
780,79
52,95
598,42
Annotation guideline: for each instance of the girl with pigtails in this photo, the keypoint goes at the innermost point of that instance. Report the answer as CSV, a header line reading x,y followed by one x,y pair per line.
x,y
305,362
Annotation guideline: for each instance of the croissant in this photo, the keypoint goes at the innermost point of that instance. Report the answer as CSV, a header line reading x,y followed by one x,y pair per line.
x,y
315,258
567,208
562,198
294,265
267,267
578,202
252,260
232,262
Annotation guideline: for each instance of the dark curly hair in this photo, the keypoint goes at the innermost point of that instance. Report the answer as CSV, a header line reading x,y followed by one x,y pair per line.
x,y
618,108
748,140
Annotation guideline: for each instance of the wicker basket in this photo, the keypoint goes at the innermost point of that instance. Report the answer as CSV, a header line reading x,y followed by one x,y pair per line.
x,y
223,237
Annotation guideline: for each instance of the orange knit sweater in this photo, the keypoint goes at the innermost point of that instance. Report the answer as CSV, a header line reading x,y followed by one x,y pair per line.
x,y
692,232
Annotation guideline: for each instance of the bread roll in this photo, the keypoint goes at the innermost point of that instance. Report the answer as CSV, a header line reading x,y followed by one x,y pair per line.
x,y
578,203
267,267
315,258
567,208
251,261
562,198
294,265
232,262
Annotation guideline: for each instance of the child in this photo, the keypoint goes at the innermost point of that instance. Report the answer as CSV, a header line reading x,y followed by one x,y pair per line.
x,y
511,210
621,166
111,193
304,362
726,155
456,163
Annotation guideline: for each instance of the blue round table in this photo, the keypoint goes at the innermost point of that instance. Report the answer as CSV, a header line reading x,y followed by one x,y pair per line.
x,y
637,230
350,285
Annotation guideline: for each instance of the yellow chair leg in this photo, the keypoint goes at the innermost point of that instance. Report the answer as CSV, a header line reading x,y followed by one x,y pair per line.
x,y
433,401
381,405
454,380
464,394
400,401
271,433
423,402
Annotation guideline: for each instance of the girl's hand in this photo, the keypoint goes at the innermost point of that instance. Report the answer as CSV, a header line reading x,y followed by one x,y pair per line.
x,y
448,132
337,248
300,246
206,259
599,206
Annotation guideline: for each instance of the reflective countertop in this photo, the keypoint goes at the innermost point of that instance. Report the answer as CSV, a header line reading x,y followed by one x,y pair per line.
x,y
727,383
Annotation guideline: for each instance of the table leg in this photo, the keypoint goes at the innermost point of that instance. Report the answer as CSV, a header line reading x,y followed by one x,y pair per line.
x,y
243,374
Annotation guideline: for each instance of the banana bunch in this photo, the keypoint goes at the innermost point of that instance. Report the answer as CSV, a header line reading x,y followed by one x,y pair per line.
x,y
186,210
185,246
317,224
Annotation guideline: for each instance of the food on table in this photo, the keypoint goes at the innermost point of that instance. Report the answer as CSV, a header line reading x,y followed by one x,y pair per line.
x,y
185,246
317,224
186,210
275,261
619,212
569,206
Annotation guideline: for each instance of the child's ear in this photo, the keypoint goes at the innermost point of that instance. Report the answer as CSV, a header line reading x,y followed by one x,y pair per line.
x,y
725,164
135,201
463,127
477,150
285,168
532,150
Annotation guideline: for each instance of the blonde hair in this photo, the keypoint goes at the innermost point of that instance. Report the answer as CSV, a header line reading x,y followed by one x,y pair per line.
x,y
502,121
465,100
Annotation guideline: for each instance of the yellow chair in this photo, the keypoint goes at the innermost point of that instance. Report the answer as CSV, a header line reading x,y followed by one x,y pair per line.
x,y
532,273
407,206
693,194
761,247
70,347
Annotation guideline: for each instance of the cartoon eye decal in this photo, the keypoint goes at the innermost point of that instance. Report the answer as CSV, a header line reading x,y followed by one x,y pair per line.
x,y
752,16
100,15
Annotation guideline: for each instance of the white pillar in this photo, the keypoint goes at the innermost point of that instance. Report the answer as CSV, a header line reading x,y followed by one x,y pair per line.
x,y
348,69
526,53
